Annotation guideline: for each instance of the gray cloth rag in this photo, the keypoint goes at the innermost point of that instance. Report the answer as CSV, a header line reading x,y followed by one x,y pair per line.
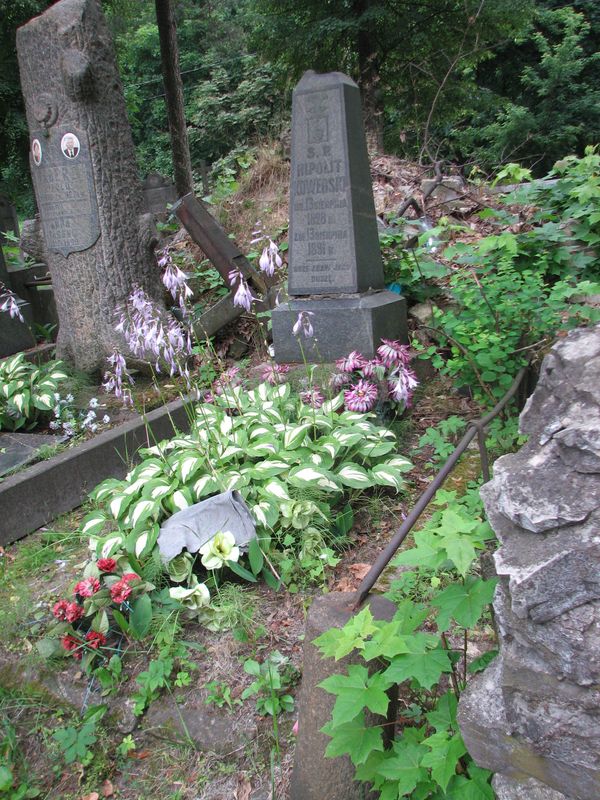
x,y
195,525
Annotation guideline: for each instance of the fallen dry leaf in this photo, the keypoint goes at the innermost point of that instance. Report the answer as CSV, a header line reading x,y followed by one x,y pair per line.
x,y
359,570
107,789
345,584
244,788
91,796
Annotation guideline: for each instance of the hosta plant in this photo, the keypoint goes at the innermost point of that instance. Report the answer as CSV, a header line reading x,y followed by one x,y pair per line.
x,y
296,467
27,391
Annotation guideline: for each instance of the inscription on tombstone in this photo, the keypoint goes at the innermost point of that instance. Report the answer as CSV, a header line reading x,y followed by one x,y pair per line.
x,y
64,186
334,247
158,192
335,265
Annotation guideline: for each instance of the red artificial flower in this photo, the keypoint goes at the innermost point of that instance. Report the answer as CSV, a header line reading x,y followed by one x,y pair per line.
x,y
87,587
120,591
73,612
106,564
72,645
60,609
130,576
95,639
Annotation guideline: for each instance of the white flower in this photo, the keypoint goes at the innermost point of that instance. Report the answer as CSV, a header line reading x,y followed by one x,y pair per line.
x,y
106,419
194,598
93,402
219,549
69,398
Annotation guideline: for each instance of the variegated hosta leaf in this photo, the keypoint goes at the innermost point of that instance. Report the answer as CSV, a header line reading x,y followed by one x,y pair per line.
x,y
295,435
204,486
265,513
261,431
334,404
322,459
145,542
400,463
226,425
374,449
263,448
387,476
268,468
327,445
347,437
189,465
142,510
180,499
233,480
354,475
93,523
119,504
109,546
275,488
157,489
134,487
314,477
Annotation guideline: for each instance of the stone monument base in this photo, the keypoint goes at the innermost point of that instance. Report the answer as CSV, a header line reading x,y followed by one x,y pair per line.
x,y
341,324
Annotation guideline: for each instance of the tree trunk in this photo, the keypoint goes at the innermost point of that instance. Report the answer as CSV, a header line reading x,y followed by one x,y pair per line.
x,y
97,242
169,56
368,68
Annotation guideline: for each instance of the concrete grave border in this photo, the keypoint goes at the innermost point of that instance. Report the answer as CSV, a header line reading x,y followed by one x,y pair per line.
x,y
35,496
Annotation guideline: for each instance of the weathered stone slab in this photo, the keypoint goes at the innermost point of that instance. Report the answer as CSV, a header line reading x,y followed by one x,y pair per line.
x,y
316,777
341,324
159,192
17,449
527,789
334,245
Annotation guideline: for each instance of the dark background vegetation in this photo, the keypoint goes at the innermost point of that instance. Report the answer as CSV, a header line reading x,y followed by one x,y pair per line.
x,y
476,82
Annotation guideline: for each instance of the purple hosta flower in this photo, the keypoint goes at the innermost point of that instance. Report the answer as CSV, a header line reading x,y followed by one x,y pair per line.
x,y
147,334
401,386
339,379
258,233
374,368
273,373
229,377
208,397
393,353
353,361
175,281
312,397
243,296
361,397
8,303
270,259
303,325
113,378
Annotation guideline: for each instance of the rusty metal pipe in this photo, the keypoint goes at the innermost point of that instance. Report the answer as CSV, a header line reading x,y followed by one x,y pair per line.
x,y
475,429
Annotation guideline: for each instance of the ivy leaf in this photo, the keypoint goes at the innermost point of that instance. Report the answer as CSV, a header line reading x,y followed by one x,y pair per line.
x,y
405,767
355,691
424,667
463,602
445,752
353,738
336,643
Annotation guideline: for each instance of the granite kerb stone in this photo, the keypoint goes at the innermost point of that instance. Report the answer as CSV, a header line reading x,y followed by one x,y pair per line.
x,y
35,496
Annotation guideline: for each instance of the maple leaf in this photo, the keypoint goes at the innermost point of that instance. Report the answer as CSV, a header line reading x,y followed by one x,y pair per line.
x,y
463,602
444,753
353,738
355,691
426,667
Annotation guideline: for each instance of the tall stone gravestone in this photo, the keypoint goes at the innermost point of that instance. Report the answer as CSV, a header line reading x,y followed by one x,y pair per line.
x,y
159,191
96,241
335,266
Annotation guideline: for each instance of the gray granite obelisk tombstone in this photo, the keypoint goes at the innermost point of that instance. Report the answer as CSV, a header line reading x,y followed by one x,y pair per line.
x,y
91,231
335,266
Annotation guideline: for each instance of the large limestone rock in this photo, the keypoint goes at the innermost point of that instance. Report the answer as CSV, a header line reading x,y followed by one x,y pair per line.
x,y
534,715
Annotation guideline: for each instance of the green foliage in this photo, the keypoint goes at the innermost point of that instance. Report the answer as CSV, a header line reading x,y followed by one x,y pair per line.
x,y
27,391
75,742
513,291
428,757
271,681
442,438
151,682
293,465
14,780
219,694
543,99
